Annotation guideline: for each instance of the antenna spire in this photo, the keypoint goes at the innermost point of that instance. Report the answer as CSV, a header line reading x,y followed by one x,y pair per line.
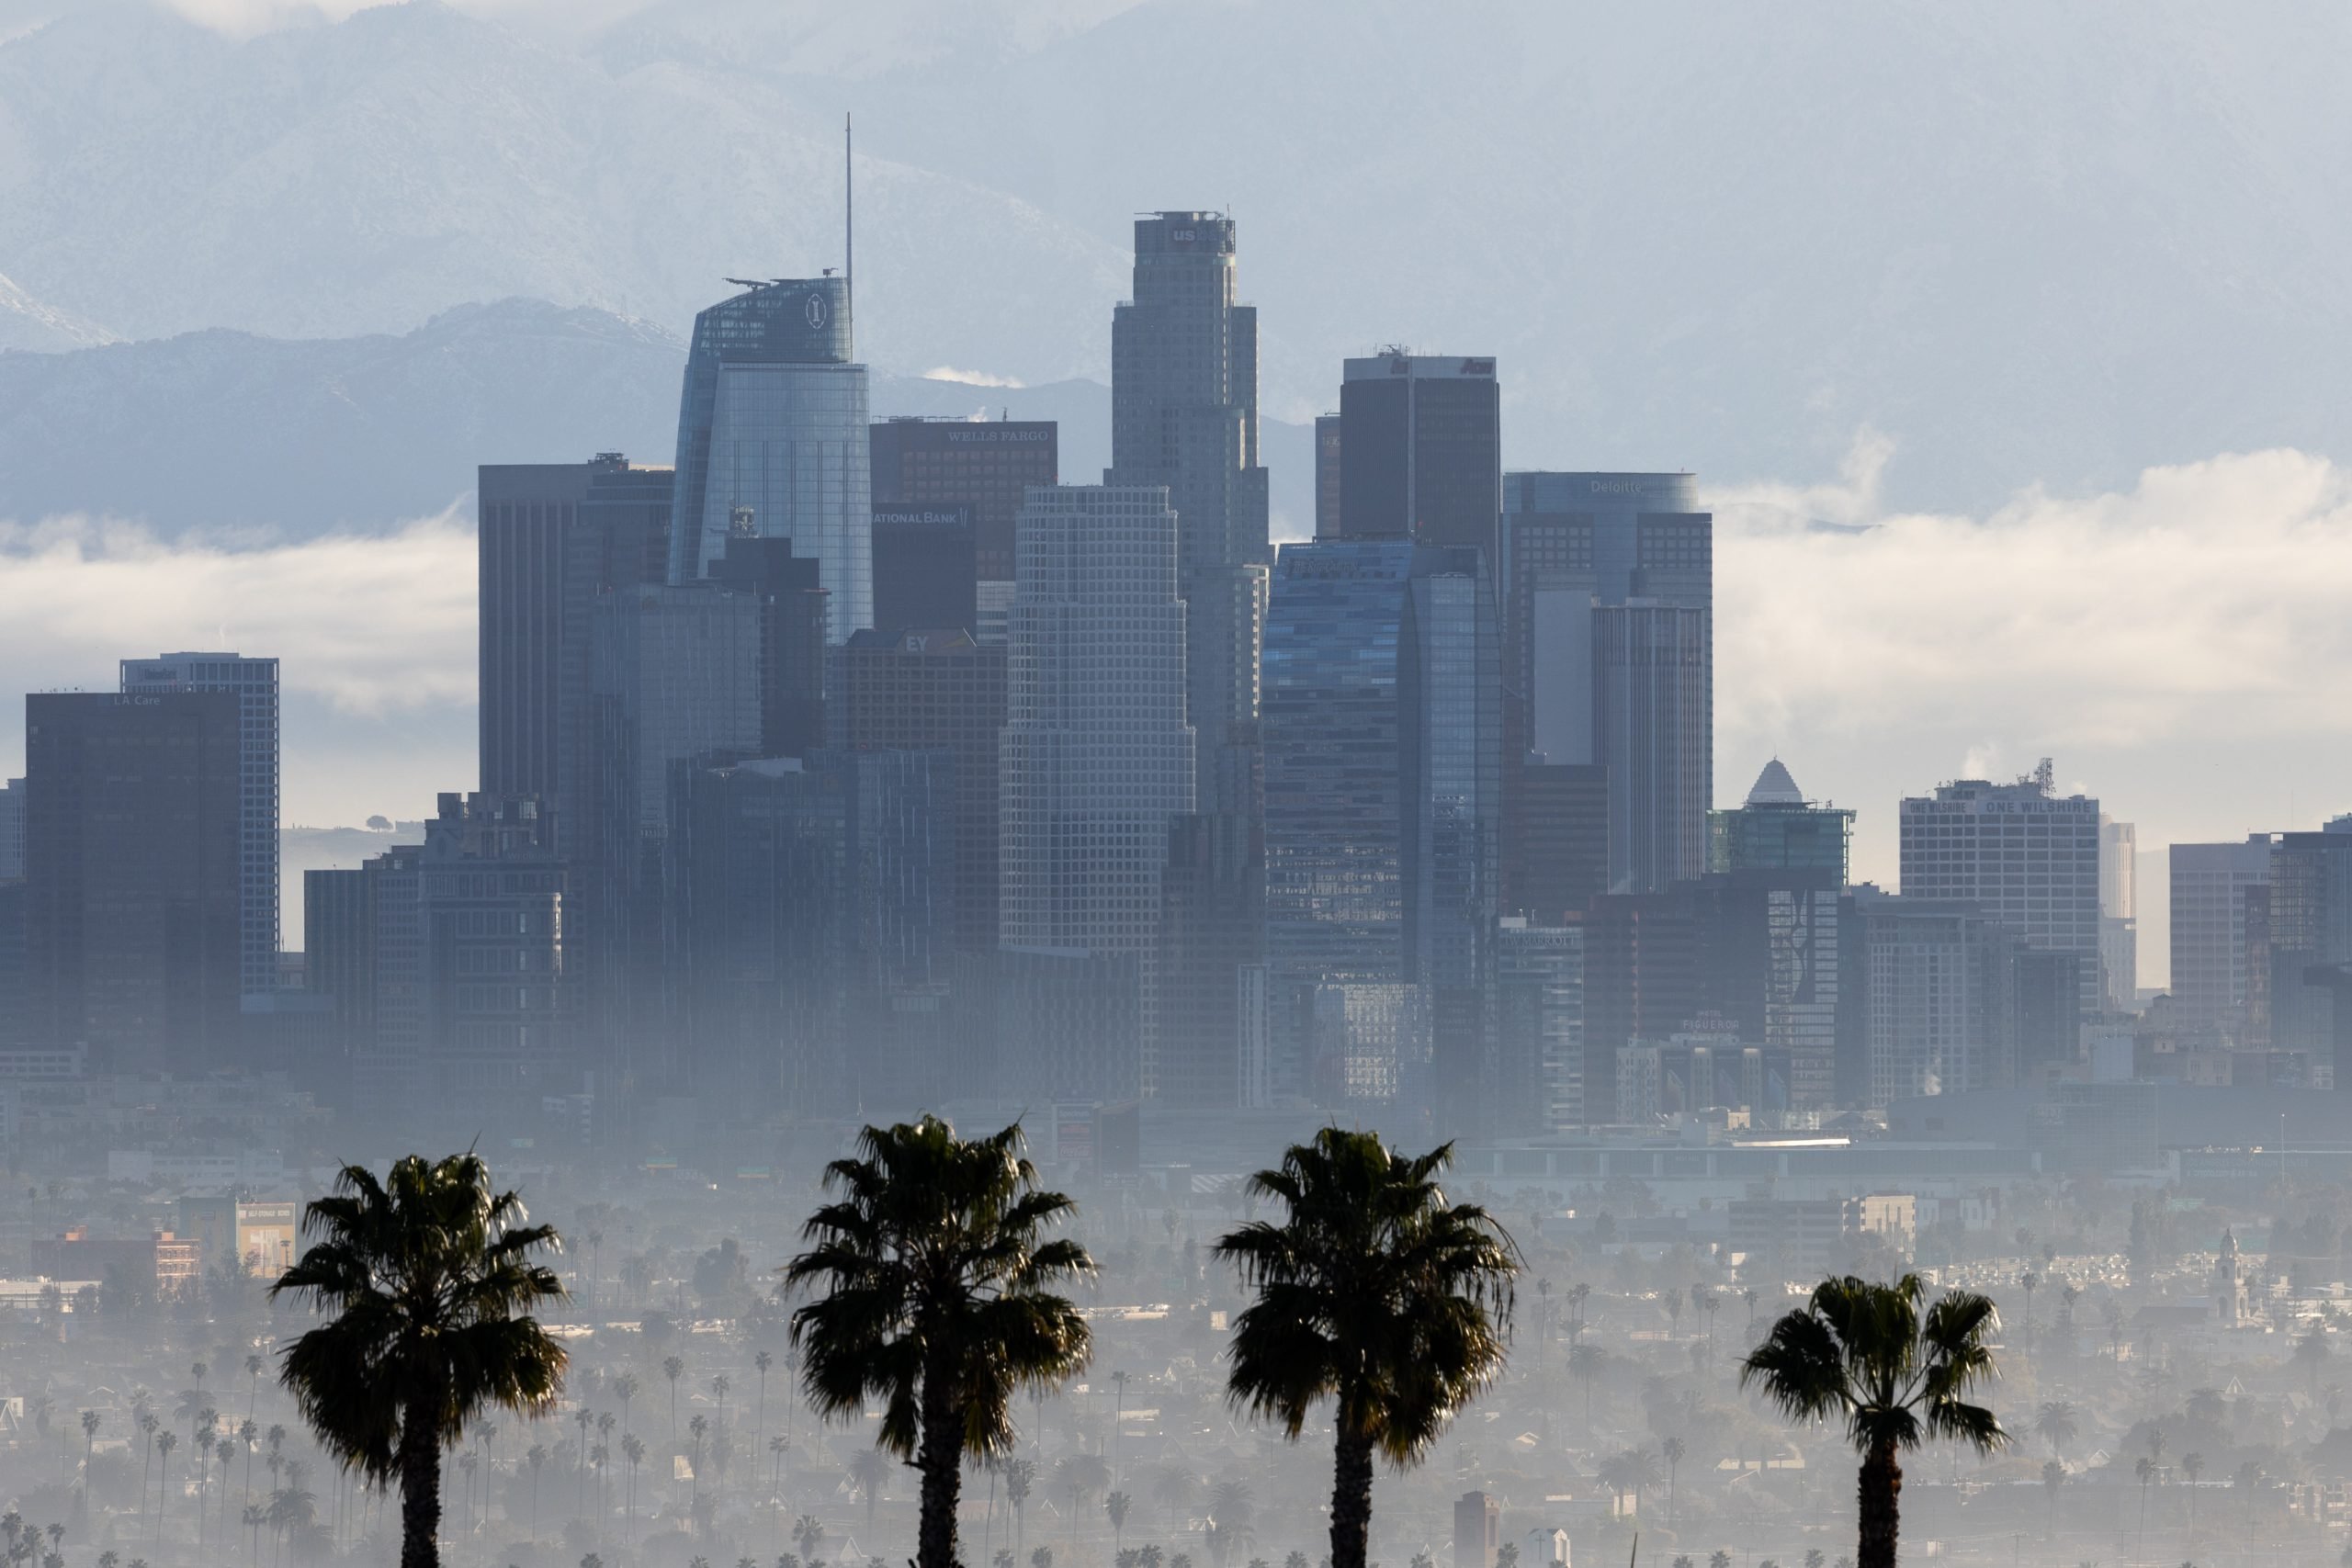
x,y
849,224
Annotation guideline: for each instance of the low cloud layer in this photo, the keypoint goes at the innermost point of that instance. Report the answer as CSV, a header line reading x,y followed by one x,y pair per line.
x,y
375,634
2181,649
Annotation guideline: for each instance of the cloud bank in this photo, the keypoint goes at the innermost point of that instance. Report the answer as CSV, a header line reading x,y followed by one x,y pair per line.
x,y
2181,648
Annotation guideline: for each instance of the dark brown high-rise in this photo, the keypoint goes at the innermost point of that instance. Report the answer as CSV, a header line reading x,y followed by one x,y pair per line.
x,y
131,836
987,466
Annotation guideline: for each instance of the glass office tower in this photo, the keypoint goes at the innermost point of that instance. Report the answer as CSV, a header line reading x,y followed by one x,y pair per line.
x,y
772,440
1381,786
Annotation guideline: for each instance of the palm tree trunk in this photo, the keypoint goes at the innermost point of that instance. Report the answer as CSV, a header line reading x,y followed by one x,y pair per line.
x,y
1352,1504
1881,1488
420,1461
941,1463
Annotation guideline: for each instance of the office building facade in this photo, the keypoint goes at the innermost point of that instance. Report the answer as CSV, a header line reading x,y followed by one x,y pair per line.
x,y
772,440
987,466
1096,758
12,829
253,682
1539,1028
926,577
1421,450
2026,856
1382,792
1777,828
2118,915
2308,942
2209,886
1606,594
1652,709
1940,983
1184,415
134,837
1213,895
813,908
938,691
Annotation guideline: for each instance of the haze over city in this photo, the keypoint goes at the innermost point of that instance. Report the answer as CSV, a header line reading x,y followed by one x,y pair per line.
x,y
946,676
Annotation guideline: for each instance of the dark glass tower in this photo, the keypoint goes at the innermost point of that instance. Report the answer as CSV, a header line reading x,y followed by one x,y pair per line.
x,y
1421,450
253,681
1383,734
131,853
1184,414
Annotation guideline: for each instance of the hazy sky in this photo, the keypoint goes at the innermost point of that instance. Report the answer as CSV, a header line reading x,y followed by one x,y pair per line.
x,y
2042,248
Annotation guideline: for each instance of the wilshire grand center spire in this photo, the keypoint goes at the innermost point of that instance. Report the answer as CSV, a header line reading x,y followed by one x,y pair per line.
x,y
1184,414
772,440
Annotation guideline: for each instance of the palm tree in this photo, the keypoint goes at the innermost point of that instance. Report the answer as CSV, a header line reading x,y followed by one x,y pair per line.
x,y
1865,1352
166,1441
761,1362
1633,1471
1020,1474
1117,1506
431,1275
937,1279
807,1535
2054,1424
673,1367
2146,1469
633,1451
90,1419
2192,1465
1673,1449
1374,1292
869,1470
536,1457
2053,1476
1584,1365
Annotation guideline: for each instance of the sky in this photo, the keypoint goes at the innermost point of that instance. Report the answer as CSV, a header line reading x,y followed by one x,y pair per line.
x,y
2135,561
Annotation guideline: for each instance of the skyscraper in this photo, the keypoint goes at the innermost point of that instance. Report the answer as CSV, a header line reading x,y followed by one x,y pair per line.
x,y
987,466
1653,715
813,917
1184,414
938,691
1778,829
1213,899
2118,914
1381,748
2310,941
1940,978
1574,545
12,829
2209,884
1097,757
1329,447
550,538
772,439
925,576
1421,450
2027,857
253,682
134,831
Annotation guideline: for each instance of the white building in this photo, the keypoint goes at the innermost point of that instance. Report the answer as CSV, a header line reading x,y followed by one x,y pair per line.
x,y
2024,856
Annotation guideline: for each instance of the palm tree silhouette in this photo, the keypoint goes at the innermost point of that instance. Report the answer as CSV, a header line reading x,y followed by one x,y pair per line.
x,y
1375,1292
1865,1352
937,1279
430,1274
